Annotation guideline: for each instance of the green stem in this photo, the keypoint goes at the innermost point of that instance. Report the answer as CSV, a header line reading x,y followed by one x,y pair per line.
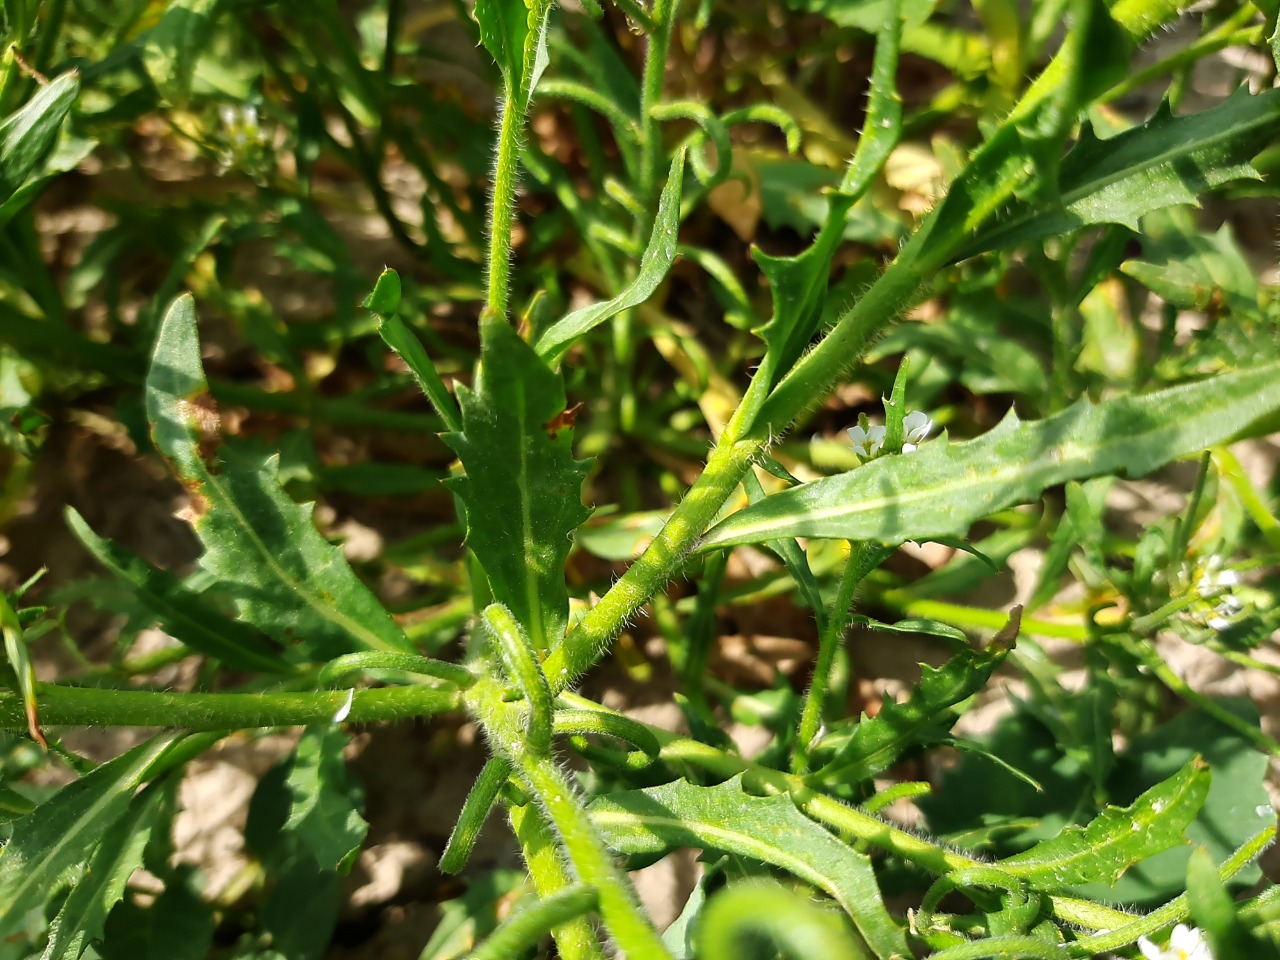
x,y
662,16
83,707
526,925
502,207
576,938
591,638
828,644
1024,946
1176,909
592,861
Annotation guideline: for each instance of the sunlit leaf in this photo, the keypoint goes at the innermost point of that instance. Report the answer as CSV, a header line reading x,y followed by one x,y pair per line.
x,y
60,835
27,135
769,829
1118,837
1167,160
523,488
654,264
84,912
943,487
283,576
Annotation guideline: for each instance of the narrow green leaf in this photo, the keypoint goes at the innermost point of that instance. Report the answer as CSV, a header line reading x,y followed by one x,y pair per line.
x,y
84,912
27,135
1167,160
1118,837
1216,914
183,613
769,829
942,488
15,648
409,348
55,839
877,742
324,818
523,488
285,579
172,48
657,259
514,33
882,128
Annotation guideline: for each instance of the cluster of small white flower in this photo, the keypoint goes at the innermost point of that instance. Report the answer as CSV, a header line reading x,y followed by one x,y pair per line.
x,y
243,138
868,441
1186,943
1214,583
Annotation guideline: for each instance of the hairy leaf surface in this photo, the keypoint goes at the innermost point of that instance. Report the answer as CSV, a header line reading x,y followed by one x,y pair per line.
x,y
83,914
943,487
877,742
55,839
1118,837
284,577
523,488
1167,160
769,829
183,613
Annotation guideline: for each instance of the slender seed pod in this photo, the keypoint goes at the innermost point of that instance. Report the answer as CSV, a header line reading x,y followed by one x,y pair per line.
x,y
475,810
797,927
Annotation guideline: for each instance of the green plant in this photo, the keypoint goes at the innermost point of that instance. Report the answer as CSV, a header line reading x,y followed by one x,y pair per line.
x,y
1051,195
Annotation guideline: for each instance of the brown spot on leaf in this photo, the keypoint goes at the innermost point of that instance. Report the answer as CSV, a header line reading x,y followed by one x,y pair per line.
x,y
202,411
562,421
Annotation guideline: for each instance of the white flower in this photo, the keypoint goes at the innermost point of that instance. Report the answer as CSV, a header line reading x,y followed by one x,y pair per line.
x,y
915,428
1187,943
867,441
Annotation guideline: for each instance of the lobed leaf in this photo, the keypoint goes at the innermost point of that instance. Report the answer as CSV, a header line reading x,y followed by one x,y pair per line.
x,y
769,829
84,912
284,577
1167,160
655,262
53,841
183,613
942,488
324,819
877,742
1118,837
522,488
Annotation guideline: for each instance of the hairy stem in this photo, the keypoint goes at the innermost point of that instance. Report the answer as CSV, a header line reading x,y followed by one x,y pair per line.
x,y
84,706
502,207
